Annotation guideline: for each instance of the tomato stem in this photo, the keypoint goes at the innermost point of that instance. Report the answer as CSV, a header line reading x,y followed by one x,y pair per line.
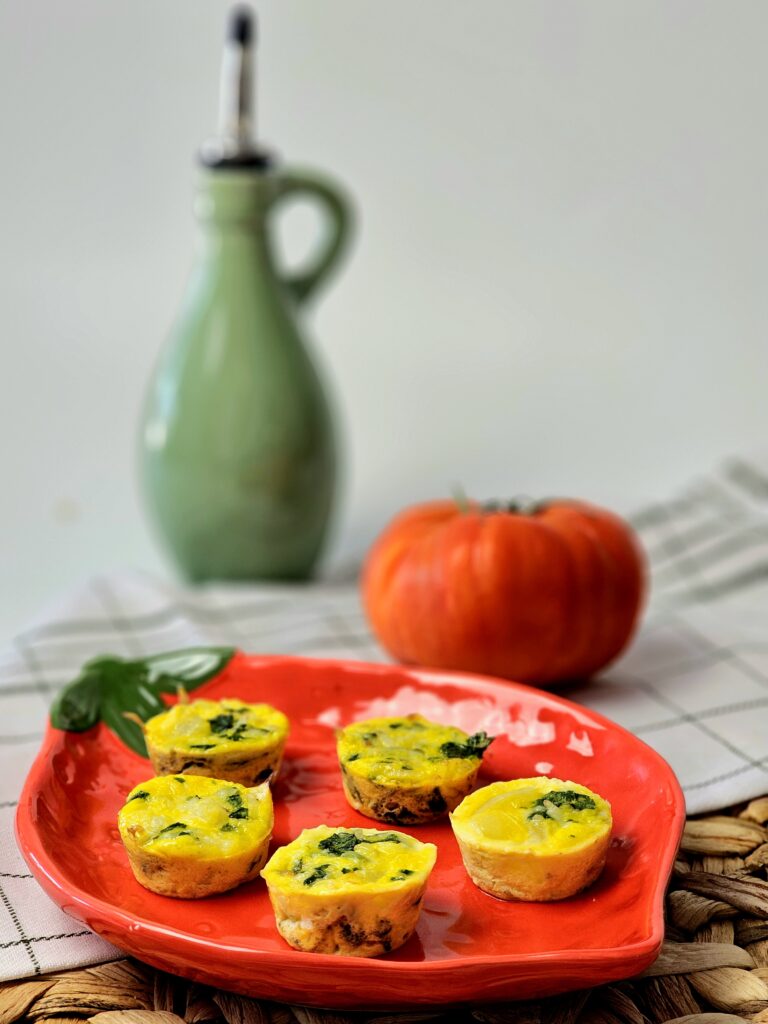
x,y
461,499
522,506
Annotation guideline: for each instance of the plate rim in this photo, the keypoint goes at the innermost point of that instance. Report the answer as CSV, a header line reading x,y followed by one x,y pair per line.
x,y
78,901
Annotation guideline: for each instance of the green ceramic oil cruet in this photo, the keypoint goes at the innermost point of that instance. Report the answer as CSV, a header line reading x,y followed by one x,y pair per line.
x,y
238,456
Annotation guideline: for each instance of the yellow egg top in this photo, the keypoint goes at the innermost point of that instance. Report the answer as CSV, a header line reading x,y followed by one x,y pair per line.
x,y
539,815
409,752
324,861
194,816
212,727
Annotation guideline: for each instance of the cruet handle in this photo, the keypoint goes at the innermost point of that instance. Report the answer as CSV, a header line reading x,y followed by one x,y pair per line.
x,y
338,216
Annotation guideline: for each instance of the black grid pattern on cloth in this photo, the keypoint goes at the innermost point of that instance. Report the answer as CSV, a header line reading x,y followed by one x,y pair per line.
x,y
694,684
322,621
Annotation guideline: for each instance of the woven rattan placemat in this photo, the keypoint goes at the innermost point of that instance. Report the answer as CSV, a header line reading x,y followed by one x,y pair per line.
x,y
713,968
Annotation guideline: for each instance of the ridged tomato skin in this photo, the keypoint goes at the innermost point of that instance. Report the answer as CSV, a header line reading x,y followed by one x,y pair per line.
x,y
542,595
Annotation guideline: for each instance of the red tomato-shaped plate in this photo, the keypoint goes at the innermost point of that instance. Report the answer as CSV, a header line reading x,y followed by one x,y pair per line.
x,y
469,947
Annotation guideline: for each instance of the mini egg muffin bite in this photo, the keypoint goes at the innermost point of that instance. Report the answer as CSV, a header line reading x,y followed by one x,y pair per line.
x,y
191,836
407,770
225,739
350,892
533,839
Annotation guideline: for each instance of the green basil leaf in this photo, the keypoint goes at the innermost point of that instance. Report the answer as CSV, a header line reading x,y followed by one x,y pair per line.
x,y
126,689
109,686
78,706
190,667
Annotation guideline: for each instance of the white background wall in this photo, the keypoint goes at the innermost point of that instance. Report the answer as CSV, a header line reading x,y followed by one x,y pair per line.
x,y
559,280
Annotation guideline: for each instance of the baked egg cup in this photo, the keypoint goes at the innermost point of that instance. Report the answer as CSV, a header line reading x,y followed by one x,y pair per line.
x,y
191,836
536,839
407,770
224,739
348,891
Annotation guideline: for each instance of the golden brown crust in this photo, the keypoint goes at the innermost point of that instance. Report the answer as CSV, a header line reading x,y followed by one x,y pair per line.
x,y
192,878
233,767
535,877
405,806
344,926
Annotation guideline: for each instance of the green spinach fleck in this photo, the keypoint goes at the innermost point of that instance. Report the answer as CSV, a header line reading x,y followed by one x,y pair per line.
x,y
475,746
345,842
177,828
339,843
561,798
140,794
320,872
220,723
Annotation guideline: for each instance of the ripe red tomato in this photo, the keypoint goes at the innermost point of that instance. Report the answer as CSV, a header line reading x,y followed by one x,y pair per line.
x,y
536,593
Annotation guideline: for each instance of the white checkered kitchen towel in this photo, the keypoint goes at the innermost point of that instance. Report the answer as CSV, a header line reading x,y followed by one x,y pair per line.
x,y
694,684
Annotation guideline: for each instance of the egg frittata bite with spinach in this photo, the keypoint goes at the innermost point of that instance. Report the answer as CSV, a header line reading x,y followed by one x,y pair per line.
x,y
348,891
223,739
536,839
191,836
407,770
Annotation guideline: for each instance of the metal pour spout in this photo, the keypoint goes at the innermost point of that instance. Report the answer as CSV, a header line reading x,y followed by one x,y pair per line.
x,y
235,142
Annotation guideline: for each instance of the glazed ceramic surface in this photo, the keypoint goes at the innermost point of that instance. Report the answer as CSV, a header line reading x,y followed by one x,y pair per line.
x,y
469,947
238,453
